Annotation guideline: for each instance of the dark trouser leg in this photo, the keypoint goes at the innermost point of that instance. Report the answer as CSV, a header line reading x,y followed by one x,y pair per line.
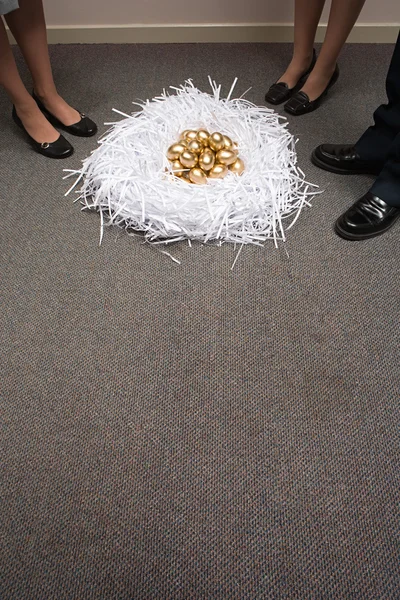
x,y
387,185
376,142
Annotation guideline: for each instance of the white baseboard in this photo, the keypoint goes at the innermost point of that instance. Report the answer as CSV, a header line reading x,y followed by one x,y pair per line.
x,y
241,32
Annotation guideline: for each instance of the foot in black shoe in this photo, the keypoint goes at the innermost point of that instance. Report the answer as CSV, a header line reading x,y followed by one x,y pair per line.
x,y
300,103
368,217
61,148
280,92
343,159
85,127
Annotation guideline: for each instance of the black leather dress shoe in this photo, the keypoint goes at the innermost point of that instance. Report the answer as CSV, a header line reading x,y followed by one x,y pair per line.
x,y
61,148
85,127
343,159
368,217
280,92
300,103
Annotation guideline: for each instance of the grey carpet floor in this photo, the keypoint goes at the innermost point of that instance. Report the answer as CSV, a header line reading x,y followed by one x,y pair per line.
x,y
176,432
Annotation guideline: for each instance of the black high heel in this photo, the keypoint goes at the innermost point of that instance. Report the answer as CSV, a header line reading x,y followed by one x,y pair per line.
x,y
85,127
61,148
280,92
300,103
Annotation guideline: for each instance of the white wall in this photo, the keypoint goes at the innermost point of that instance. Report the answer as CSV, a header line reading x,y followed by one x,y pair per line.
x,y
150,12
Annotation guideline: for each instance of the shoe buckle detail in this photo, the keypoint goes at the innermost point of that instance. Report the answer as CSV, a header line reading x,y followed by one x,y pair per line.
x,y
45,145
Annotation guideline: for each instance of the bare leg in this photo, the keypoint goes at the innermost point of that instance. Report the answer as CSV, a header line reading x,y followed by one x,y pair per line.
x,y
34,121
342,18
306,19
29,29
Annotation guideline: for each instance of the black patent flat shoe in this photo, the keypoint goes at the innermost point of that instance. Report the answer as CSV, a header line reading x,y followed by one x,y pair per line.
x,y
343,159
368,217
281,92
300,103
83,128
61,148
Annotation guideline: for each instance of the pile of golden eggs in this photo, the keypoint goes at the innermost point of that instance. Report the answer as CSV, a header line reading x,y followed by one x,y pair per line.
x,y
199,155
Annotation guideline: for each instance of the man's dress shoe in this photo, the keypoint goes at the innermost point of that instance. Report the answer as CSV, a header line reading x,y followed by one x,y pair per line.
x,y
343,159
368,217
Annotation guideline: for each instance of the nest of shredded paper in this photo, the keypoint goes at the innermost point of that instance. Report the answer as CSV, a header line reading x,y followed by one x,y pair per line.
x,y
129,179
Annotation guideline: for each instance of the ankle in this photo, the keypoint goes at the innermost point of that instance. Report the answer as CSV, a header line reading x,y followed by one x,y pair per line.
x,y
46,94
323,71
302,59
27,107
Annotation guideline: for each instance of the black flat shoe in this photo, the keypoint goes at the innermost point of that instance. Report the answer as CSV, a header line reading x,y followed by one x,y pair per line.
x,y
368,217
61,148
343,160
300,103
83,128
280,92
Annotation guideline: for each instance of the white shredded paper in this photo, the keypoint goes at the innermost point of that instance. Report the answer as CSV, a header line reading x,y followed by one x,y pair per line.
x,y
125,179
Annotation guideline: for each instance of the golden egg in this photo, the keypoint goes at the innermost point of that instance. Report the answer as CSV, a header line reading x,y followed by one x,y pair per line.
x,y
177,168
175,151
228,143
185,175
188,159
207,159
202,136
218,172
198,176
237,167
216,141
184,134
191,135
226,157
195,147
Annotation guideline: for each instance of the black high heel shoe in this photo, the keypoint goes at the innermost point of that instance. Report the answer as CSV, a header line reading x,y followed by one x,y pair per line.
x,y
85,127
280,92
300,103
61,148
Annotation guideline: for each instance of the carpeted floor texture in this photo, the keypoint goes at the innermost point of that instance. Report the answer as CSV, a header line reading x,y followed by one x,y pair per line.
x,y
187,431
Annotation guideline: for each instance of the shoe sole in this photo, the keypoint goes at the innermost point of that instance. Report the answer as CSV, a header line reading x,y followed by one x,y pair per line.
x,y
362,236
337,170
53,157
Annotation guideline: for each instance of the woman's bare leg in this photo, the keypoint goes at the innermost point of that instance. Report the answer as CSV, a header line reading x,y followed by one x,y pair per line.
x,y
32,118
306,19
342,18
29,29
